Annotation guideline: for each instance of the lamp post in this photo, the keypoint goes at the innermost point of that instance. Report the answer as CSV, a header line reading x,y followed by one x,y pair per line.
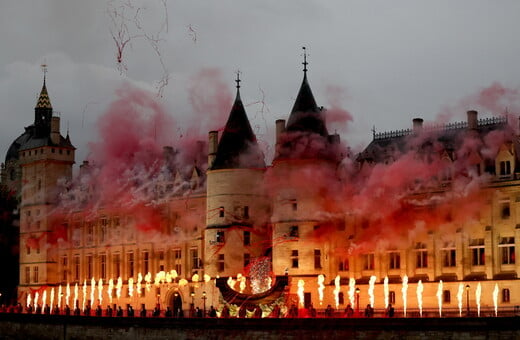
x,y
192,307
357,300
467,299
204,299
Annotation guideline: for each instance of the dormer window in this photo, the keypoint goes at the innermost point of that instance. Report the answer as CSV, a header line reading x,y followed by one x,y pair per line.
x,y
505,168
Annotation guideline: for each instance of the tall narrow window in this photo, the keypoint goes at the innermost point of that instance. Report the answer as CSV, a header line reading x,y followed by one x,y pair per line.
x,y
507,249
220,263
368,261
449,255
146,261
117,265
505,295
317,259
76,267
35,273
446,296
131,264
343,265
247,238
103,228
478,255
221,212
103,266
294,258
421,255
220,237
395,260
391,297
194,254
89,272
27,275
64,267
293,231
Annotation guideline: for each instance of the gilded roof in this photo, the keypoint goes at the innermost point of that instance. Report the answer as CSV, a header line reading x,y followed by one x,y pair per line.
x,y
44,102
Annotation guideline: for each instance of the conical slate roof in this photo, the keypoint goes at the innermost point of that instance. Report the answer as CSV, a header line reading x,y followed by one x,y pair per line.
x,y
238,147
44,102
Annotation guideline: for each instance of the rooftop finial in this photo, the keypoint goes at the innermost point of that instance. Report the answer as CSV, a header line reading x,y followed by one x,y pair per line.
x,y
304,59
238,79
44,69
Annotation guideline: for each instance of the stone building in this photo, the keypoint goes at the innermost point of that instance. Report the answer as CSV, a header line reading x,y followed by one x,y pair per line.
x,y
294,212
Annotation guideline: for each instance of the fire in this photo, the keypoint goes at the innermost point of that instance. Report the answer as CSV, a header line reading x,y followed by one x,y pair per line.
x,y
460,292
439,297
495,299
84,294
336,290
351,291
404,291
420,290
386,291
52,299
28,303
92,291
100,291
131,287
371,284
60,294
119,285
76,293
321,287
207,278
148,280
110,289
301,285
478,293
138,285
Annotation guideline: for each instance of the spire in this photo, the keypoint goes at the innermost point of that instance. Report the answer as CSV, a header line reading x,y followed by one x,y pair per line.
x,y
44,101
238,147
305,114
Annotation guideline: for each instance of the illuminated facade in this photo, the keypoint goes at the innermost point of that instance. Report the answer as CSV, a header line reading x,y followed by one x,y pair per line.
x,y
240,209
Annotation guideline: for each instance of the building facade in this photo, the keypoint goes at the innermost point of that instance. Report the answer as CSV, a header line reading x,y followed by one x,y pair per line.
x,y
316,214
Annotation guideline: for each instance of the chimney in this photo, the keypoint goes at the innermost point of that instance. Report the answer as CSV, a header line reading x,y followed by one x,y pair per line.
x,y
212,147
472,120
417,125
280,128
55,130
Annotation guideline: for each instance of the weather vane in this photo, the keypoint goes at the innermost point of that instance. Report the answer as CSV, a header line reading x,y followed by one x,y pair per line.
x,y
304,59
238,78
44,69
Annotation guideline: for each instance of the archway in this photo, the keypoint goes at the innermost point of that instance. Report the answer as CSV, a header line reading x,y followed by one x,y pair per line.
x,y
175,304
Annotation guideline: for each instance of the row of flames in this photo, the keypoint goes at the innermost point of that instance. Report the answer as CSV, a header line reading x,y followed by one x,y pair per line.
x,y
404,292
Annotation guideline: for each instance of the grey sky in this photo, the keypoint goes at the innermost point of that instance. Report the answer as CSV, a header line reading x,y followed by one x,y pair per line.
x,y
395,60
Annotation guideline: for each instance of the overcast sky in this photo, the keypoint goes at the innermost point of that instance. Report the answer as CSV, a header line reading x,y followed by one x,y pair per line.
x,y
391,61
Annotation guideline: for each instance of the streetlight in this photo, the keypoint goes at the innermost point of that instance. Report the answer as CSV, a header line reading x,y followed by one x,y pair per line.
x,y
204,298
467,298
192,308
357,300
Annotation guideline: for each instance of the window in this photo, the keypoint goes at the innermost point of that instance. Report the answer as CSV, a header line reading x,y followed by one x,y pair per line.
x,y
505,295
294,205
391,297
194,254
146,262
90,233
103,266
395,260
317,259
368,261
507,249
27,275
341,298
28,250
117,265
76,267
294,258
478,257
505,211
505,168
103,230
89,266
343,265
130,264
449,255
247,259
446,296
161,255
177,254
178,268
64,264
247,238
421,255
35,273
293,231
220,237
221,212
246,212
220,263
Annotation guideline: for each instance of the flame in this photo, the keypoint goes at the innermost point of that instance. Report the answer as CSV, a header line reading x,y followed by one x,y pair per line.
x,y
67,296
242,284
371,284
100,291
404,291
28,303
336,290
439,297
138,285
119,286
131,287
110,289
183,282
321,287
148,280
460,292
231,282
36,298
420,290
76,293
84,294
495,299
478,293
207,278
44,298
386,291
92,291
352,291
60,294
52,299
195,278
301,285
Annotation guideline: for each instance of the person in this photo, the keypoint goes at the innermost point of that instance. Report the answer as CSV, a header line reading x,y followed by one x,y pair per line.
x,y
29,309
47,309
329,311
38,309
98,310
198,312
276,312
142,313
109,311
390,311
369,312
56,309
67,310
349,311
212,312
129,310
312,311
293,311
77,311
156,311
242,312
258,312
168,313
119,311
87,310
225,312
